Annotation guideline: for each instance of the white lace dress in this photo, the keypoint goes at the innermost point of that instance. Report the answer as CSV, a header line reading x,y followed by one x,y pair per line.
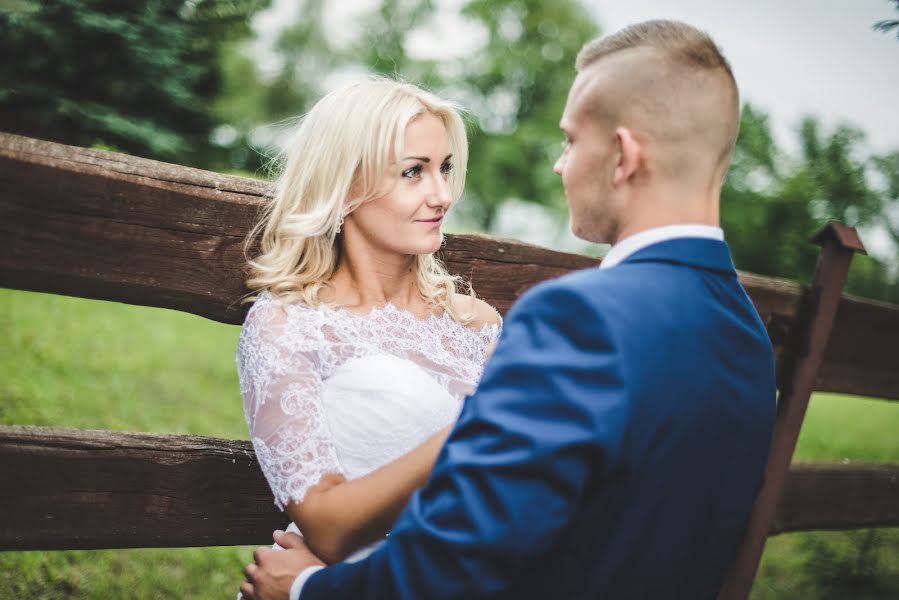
x,y
330,391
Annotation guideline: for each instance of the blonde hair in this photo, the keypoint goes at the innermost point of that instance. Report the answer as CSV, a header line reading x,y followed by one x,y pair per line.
x,y
336,161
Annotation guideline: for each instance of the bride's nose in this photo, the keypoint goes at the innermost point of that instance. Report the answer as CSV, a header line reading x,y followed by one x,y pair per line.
x,y
440,195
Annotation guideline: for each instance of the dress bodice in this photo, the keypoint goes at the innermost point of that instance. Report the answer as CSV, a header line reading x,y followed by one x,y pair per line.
x,y
326,390
379,407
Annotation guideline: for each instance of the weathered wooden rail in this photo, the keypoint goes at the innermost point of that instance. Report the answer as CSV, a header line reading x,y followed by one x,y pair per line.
x,y
75,488
102,225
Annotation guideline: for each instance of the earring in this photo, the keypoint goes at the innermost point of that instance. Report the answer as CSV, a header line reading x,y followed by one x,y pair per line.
x,y
339,223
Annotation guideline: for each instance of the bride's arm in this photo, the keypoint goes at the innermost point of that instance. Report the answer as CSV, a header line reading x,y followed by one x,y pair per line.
x,y
338,516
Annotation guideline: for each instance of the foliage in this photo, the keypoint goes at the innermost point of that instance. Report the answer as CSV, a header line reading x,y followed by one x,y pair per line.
x,y
514,87
771,203
134,76
889,24
176,81
518,87
829,565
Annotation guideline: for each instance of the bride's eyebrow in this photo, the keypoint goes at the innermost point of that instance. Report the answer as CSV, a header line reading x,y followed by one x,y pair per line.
x,y
425,158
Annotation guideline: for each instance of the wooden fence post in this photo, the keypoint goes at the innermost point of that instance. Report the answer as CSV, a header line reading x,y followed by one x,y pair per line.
x,y
796,381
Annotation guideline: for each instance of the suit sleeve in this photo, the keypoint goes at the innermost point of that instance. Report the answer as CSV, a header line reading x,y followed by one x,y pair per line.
x,y
546,421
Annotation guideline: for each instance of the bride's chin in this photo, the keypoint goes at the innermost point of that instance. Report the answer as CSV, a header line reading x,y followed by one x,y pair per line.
x,y
428,246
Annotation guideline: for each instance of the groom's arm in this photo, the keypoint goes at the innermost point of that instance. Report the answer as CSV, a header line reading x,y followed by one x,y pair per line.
x,y
548,416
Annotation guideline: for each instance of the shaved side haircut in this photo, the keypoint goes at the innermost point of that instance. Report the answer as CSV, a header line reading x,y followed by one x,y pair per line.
x,y
674,84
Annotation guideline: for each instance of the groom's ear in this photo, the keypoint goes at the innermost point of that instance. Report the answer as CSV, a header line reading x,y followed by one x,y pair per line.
x,y
630,153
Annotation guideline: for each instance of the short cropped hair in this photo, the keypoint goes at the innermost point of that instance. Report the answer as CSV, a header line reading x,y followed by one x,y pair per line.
x,y
684,43
689,57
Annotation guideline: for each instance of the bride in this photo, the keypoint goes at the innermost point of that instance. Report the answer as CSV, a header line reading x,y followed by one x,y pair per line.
x,y
358,351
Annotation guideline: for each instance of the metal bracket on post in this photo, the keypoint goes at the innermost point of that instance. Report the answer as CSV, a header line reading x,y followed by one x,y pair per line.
x,y
813,324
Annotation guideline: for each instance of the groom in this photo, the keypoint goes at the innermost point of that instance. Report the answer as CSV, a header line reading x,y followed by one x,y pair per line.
x,y
619,434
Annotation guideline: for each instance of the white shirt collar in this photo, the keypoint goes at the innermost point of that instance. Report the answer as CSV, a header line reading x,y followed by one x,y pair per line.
x,y
648,237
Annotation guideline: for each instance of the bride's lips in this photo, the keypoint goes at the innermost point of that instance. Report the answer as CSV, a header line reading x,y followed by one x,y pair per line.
x,y
435,222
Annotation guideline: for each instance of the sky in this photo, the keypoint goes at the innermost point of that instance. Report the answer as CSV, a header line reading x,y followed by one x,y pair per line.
x,y
791,58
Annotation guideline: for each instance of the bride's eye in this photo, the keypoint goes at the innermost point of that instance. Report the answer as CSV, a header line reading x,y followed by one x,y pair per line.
x,y
446,168
412,172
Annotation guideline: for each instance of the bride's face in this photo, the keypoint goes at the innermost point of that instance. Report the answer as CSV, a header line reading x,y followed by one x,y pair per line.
x,y
408,217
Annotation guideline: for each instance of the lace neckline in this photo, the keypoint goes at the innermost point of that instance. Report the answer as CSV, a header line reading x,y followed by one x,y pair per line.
x,y
391,312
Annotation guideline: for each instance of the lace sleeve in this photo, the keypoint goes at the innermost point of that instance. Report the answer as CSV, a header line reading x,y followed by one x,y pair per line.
x,y
281,389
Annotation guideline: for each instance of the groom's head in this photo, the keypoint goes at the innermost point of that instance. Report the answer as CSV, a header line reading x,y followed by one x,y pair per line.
x,y
650,126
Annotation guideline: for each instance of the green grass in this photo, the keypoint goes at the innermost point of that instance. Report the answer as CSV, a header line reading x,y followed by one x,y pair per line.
x,y
102,365
838,564
842,428
90,364
82,363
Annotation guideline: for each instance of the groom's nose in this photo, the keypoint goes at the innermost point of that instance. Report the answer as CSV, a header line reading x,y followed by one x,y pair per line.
x,y
560,164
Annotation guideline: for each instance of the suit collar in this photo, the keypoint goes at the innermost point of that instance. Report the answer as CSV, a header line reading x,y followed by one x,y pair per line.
x,y
708,254
653,235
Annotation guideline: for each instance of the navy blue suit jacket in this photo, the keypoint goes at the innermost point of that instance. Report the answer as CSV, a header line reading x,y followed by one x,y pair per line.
x,y
612,450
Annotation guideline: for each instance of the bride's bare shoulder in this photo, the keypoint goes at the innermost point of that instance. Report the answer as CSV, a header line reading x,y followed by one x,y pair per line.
x,y
482,313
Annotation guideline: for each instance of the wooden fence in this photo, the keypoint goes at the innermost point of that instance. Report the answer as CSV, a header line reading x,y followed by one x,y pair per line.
x,y
102,225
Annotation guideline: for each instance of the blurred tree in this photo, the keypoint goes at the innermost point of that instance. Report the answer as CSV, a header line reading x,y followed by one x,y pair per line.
x,y
134,76
294,70
515,87
889,24
174,80
519,84
772,203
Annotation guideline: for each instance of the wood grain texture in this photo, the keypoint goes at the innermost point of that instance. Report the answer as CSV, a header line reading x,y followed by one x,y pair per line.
x,y
108,226
80,489
70,488
103,225
838,496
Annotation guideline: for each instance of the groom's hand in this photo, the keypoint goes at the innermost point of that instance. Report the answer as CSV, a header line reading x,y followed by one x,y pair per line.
x,y
272,572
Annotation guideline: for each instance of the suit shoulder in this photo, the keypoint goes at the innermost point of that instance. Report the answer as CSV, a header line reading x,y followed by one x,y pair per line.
x,y
578,283
571,292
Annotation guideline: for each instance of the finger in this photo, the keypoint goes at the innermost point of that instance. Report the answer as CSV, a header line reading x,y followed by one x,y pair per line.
x,y
250,572
259,553
248,591
288,540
